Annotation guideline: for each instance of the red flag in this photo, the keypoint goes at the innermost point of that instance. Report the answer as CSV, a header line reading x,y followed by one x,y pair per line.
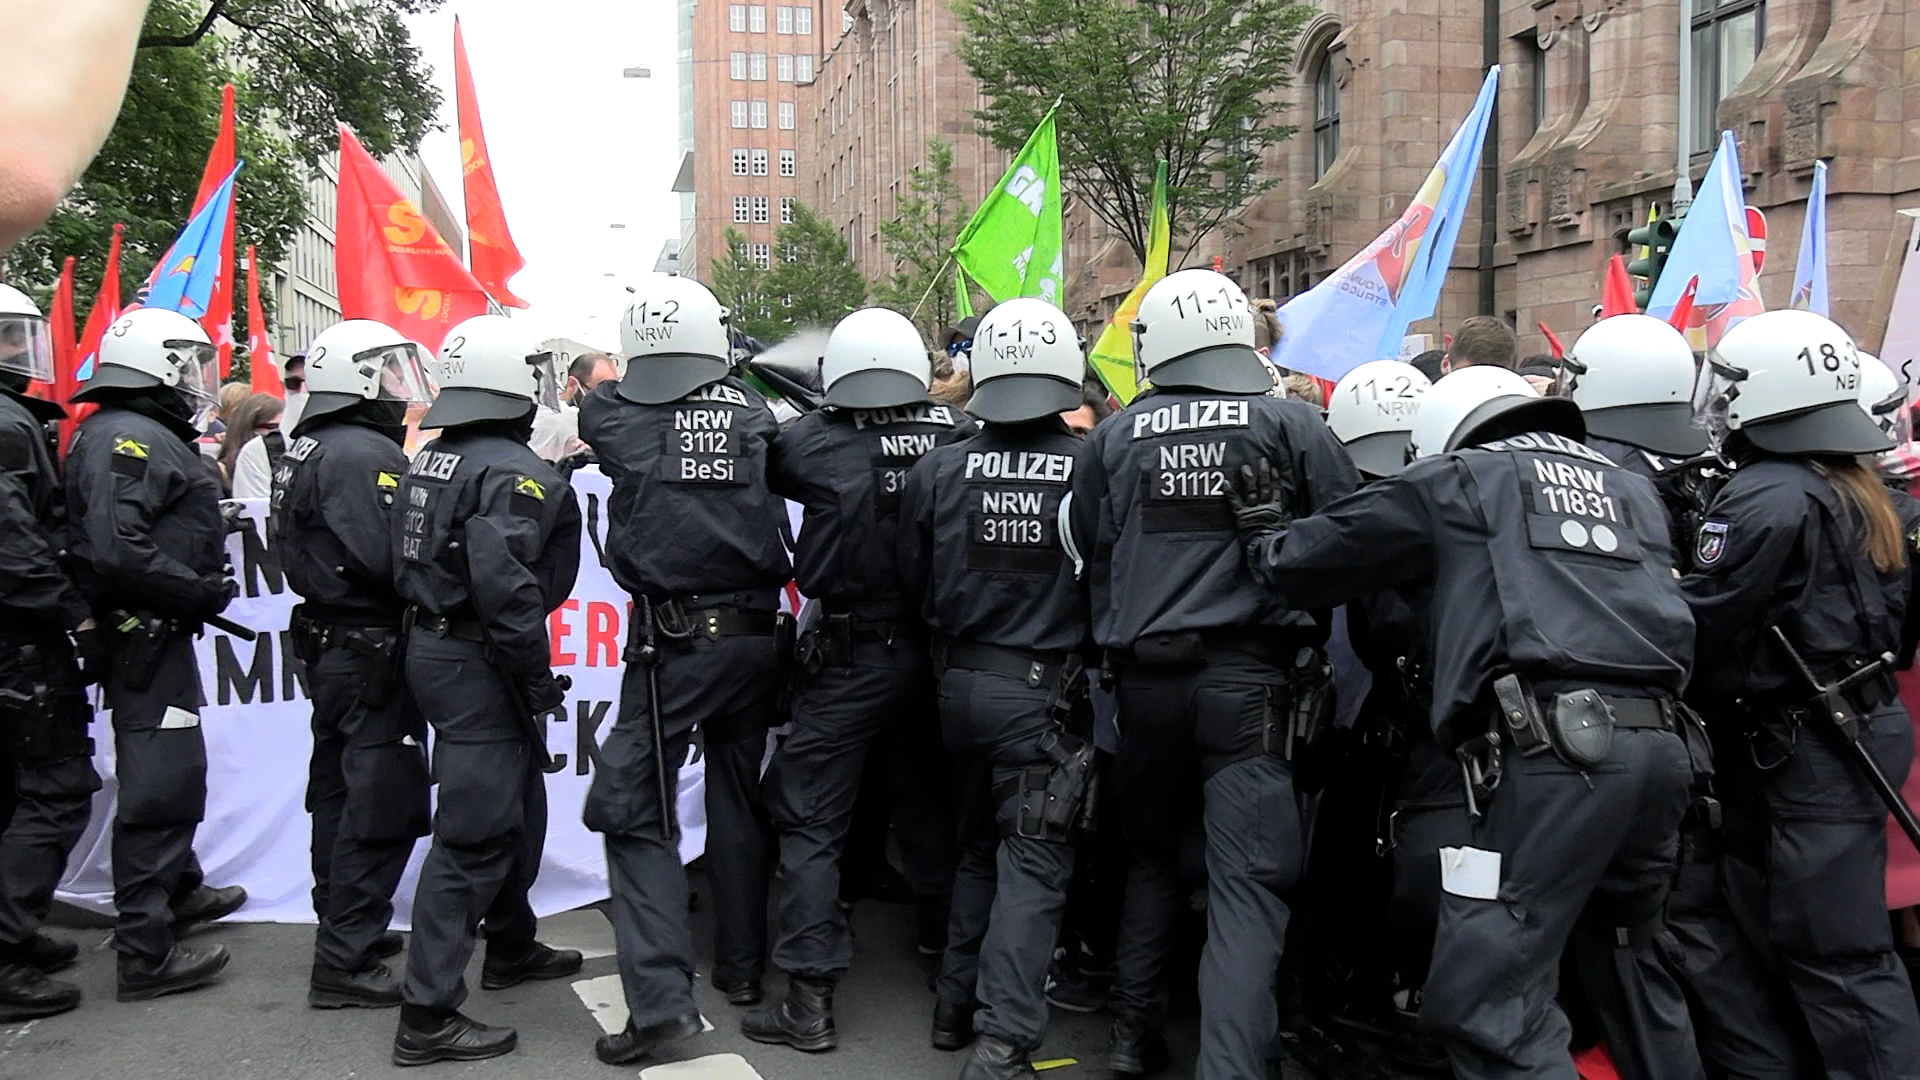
x,y
60,329
106,307
1682,317
1616,293
266,377
491,250
1553,341
218,321
391,263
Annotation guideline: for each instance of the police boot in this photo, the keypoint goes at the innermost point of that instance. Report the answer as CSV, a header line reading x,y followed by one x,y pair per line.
x,y
953,1024
27,994
374,988
186,967
430,1035
50,954
635,1043
206,904
741,993
803,1021
388,944
994,1059
1136,1050
540,962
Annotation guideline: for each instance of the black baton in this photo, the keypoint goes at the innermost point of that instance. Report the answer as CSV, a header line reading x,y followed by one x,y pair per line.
x,y
1830,699
228,626
650,659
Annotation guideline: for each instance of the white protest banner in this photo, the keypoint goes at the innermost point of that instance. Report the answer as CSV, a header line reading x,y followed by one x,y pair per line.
x,y
1900,348
256,723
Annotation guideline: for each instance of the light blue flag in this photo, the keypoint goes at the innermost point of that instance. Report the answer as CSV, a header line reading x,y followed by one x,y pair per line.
x,y
1712,239
1361,311
185,280
1810,273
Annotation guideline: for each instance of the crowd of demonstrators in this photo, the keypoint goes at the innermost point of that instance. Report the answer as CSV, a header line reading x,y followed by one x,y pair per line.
x,y
1496,712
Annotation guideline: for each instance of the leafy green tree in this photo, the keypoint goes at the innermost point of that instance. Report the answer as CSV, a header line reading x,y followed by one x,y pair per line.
x,y
1195,82
919,238
810,281
746,290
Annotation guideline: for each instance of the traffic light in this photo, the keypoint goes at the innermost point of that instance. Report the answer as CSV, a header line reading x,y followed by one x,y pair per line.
x,y
1654,239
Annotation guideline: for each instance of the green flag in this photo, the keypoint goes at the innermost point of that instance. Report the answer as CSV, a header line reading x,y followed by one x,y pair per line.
x,y
1012,246
962,303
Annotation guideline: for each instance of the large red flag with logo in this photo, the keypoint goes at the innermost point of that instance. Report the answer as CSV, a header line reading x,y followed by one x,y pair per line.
x,y
263,375
491,250
391,263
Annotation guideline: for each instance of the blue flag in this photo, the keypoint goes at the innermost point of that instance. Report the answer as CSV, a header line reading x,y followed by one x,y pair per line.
x,y
186,275
1810,273
1361,311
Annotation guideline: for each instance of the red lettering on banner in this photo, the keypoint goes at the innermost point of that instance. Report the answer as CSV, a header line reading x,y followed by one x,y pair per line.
x,y
557,629
603,634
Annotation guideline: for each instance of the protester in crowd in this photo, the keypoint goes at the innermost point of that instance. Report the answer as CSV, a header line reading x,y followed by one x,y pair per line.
x,y
959,343
1095,405
490,545
1431,364
1266,326
556,431
1482,339
259,459
231,395
256,415
1542,372
686,441
148,546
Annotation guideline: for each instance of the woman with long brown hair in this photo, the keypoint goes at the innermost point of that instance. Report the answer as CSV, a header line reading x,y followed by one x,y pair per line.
x,y
254,416
1802,544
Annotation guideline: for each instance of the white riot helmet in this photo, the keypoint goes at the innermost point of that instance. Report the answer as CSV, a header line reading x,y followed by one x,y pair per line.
x,y
1883,397
1633,376
1790,382
150,347
1481,403
875,360
491,368
26,345
1195,330
1372,412
675,337
362,360
1026,363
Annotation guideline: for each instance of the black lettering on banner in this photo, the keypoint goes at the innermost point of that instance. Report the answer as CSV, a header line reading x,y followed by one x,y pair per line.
x,y
702,448
416,523
1012,529
1185,489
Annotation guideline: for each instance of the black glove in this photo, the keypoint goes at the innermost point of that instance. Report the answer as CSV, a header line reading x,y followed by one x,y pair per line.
x,y
217,591
90,648
1261,500
544,692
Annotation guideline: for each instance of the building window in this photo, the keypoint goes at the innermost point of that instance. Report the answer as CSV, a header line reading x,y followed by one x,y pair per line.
x,y
739,111
740,209
760,209
790,253
739,163
737,66
759,163
757,19
757,67
783,67
763,256
846,22
786,211
786,116
1727,35
803,68
758,115
1326,118
783,20
1537,67
803,20
788,166
737,18
740,250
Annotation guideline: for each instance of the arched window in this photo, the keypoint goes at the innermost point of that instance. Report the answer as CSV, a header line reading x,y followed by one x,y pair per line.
x,y
1326,117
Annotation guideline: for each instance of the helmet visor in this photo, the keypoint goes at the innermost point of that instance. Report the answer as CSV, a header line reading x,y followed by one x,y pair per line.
x,y
26,347
546,380
196,363
1714,389
402,376
1893,417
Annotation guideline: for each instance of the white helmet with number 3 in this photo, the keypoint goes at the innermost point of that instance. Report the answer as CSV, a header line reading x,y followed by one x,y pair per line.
x,y
1789,381
1195,330
491,368
675,337
1633,377
1481,403
1372,413
362,360
1026,363
150,347
26,345
875,359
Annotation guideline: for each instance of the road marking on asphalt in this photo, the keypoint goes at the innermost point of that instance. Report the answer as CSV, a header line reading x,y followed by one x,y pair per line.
x,y
714,1067
604,999
585,929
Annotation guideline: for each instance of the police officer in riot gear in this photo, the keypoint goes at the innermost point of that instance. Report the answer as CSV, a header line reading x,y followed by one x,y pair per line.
x,y
866,666
1210,670
695,535
1559,638
980,549
1802,543
46,763
332,521
487,542
148,545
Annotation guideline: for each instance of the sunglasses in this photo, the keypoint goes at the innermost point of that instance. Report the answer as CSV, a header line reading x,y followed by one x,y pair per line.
x,y
295,383
955,348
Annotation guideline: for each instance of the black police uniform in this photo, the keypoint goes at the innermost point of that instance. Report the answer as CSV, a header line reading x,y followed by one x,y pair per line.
x,y
1685,489
1205,662
46,758
868,670
333,496
980,550
487,542
148,544
1805,837
695,535
1548,563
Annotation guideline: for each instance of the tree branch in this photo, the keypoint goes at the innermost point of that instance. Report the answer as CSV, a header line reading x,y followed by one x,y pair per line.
x,y
185,41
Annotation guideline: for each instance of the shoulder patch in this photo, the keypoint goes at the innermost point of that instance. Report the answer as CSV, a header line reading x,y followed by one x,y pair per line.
x,y
528,486
1712,543
130,448
386,481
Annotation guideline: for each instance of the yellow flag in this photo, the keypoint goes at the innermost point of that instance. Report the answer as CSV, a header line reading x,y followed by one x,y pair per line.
x,y
1112,355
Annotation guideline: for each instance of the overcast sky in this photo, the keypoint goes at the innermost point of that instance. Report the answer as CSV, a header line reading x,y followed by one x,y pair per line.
x,y
575,146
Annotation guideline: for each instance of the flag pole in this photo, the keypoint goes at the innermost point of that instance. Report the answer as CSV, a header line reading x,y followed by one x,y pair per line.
x,y
938,274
